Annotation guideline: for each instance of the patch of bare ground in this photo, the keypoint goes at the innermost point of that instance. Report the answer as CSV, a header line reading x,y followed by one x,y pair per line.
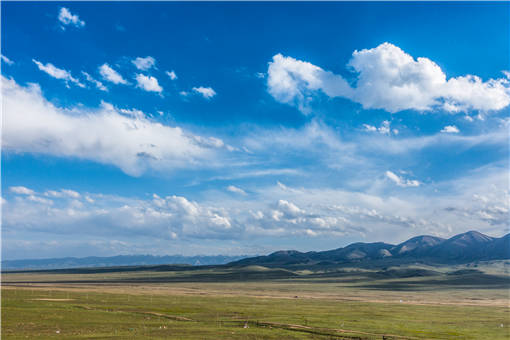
x,y
410,298
44,299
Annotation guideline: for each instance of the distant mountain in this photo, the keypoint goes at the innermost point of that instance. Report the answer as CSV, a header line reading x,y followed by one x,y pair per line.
x,y
498,248
356,252
121,260
416,246
468,246
462,248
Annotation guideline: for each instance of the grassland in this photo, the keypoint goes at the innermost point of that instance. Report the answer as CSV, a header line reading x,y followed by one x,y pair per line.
x,y
257,303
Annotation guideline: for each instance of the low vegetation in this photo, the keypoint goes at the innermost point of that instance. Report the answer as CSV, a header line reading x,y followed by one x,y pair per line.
x,y
259,303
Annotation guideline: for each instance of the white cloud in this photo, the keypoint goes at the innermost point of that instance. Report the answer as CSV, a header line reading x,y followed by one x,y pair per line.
x,y
21,190
171,74
294,82
58,73
148,83
479,200
450,129
66,18
7,60
388,79
206,92
236,190
370,128
144,64
401,182
384,129
209,141
111,75
39,200
498,136
94,81
62,193
288,208
124,138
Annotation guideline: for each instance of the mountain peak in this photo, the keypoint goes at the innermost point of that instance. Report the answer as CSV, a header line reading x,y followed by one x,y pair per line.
x,y
471,237
417,244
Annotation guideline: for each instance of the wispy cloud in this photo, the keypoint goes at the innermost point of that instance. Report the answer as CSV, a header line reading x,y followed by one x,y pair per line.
x,y
7,60
402,182
58,73
236,190
99,85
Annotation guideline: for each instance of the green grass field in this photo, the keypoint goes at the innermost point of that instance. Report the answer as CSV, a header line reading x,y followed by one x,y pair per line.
x,y
162,305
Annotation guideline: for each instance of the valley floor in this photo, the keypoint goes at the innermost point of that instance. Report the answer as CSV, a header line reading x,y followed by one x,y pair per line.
x,y
241,305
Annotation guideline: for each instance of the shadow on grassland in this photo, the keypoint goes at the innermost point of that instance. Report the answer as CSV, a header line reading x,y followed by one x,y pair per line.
x,y
464,281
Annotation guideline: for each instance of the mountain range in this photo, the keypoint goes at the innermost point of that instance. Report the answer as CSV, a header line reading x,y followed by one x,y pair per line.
x,y
471,246
114,261
467,247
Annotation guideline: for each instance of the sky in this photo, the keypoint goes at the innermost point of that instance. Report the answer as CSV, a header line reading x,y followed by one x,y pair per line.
x,y
244,128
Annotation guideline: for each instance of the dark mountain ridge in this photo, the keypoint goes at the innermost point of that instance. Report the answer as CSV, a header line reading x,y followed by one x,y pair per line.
x,y
467,247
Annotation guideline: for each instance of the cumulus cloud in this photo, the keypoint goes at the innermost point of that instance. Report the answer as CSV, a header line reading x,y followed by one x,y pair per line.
x,y
480,200
111,75
171,74
288,208
450,129
384,129
148,83
205,92
144,64
21,190
401,182
58,73
236,190
99,85
295,82
387,78
121,137
160,217
7,60
67,18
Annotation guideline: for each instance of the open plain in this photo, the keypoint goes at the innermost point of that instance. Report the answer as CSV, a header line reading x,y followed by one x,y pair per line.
x,y
254,302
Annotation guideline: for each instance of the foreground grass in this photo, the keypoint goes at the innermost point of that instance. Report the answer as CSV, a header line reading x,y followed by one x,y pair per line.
x,y
66,314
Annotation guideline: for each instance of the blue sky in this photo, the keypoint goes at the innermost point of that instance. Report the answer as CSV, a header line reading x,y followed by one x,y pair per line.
x,y
243,128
